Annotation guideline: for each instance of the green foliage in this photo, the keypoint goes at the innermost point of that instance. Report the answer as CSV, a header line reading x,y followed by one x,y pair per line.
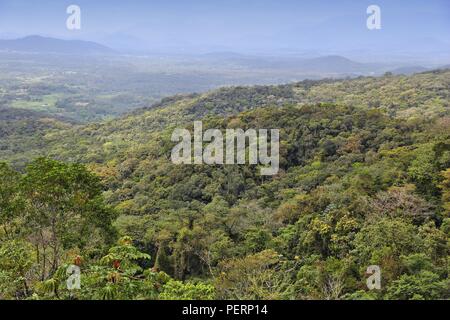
x,y
259,276
16,260
445,187
11,201
64,204
364,181
422,286
177,290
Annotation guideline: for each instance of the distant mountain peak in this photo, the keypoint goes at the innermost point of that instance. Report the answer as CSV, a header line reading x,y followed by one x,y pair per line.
x,y
41,44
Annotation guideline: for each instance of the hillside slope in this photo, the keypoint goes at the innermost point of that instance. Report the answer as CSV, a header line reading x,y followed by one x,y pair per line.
x,y
364,180
22,132
421,96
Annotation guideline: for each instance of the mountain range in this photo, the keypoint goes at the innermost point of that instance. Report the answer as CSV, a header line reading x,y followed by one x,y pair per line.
x,y
39,44
312,64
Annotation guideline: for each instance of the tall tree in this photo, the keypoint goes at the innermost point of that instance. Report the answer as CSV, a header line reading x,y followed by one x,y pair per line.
x,y
65,209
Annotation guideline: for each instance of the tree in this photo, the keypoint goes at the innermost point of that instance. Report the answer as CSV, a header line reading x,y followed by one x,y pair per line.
x,y
445,187
177,290
64,209
400,202
11,202
118,275
17,257
422,286
254,277
330,279
383,242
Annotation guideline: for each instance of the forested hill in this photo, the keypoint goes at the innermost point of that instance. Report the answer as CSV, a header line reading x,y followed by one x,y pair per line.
x,y
364,180
22,130
421,95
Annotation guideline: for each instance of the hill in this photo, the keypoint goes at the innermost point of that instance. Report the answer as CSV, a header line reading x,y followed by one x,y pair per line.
x,y
22,131
422,96
364,180
38,44
332,64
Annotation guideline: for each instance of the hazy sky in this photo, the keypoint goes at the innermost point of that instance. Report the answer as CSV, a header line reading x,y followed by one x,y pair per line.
x,y
237,25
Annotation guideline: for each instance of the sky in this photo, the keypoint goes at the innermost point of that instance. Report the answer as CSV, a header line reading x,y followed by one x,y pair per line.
x,y
266,26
